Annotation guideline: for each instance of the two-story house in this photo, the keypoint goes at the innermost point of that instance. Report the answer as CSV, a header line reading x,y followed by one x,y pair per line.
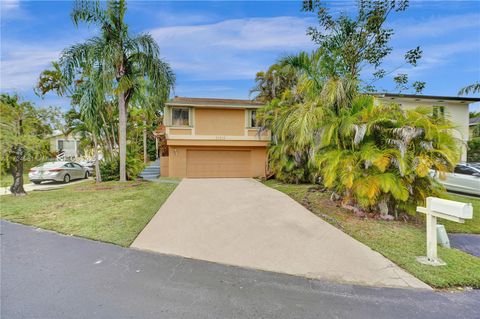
x,y
213,138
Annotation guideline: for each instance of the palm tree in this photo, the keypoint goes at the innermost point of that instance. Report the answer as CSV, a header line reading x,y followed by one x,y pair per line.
x,y
473,88
91,101
119,57
373,157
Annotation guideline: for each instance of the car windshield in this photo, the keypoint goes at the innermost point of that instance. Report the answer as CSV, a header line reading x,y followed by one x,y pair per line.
x,y
51,165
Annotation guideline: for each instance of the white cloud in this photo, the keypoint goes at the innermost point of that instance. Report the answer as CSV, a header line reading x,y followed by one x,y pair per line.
x,y
10,10
21,64
436,26
9,5
231,49
441,55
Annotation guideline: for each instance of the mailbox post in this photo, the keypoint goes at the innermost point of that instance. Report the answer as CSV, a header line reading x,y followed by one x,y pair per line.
x,y
447,209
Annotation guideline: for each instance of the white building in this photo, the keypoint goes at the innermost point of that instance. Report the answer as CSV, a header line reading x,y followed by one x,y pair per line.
x,y
69,145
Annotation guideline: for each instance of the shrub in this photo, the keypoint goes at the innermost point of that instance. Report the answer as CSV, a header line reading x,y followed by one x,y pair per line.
x,y
473,154
110,167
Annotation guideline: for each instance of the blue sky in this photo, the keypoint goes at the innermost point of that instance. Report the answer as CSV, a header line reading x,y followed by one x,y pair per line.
x,y
215,48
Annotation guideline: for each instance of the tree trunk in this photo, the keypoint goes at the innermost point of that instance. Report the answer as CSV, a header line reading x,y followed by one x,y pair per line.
x,y
17,173
122,136
145,157
98,177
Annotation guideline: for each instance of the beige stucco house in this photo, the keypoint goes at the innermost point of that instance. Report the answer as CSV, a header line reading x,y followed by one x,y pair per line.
x,y
453,107
220,138
213,138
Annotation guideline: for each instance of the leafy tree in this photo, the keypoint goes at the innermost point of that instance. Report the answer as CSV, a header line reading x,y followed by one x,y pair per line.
x,y
359,41
119,57
23,129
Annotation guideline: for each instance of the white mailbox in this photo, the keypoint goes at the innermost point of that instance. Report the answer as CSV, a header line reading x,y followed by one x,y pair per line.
x,y
446,209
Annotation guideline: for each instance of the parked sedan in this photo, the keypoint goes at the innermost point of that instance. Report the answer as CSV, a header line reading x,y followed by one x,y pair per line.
x,y
89,165
465,178
57,171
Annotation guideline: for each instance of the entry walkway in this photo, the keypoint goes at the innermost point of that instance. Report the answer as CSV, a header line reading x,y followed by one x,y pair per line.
x,y
245,223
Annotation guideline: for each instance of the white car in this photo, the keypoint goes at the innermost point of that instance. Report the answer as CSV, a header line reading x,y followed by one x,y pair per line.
x,y
89,165
465,178
57,171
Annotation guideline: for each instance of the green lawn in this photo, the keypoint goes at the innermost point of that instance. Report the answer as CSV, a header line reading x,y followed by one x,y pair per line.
x,y
7,179
471,226
400,242
111,212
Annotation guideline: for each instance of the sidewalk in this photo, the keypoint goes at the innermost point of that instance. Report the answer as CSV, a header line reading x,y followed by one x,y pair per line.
x,y
45,186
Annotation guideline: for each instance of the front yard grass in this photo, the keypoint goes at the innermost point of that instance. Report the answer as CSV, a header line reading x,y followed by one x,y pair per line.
x,y
401,242
471,226
6,179
111,212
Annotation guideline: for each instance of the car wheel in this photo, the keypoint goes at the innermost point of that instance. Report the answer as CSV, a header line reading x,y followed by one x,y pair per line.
x,y
66,178
36,182
86,175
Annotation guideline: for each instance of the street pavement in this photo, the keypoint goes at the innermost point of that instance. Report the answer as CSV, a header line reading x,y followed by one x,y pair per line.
x,y
469,243
47,275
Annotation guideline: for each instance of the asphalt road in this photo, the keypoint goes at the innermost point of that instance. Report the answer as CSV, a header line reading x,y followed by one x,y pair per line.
x,y
469,243
46,275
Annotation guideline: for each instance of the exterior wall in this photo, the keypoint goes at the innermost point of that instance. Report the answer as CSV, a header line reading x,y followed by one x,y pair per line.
x,y
219,122
222,131
164,161
455,111
214,124
180,131
70,145
178,159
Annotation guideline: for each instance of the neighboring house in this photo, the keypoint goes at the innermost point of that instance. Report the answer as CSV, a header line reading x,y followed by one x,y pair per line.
x,y
454,108
213,138
69,145
474,127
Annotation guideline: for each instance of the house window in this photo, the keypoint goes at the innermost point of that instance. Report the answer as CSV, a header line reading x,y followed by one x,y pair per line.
x,y
180,116
252,118
438,111
60,145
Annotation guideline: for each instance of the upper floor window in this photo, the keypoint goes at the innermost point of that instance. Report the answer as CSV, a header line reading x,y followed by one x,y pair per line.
x,y
252,118
438,111
180,116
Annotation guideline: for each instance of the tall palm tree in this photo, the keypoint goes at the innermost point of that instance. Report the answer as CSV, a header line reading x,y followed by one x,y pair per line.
x,y
91,101
119,57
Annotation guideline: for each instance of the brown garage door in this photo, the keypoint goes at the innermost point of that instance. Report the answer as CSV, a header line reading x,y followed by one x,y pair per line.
x,y
218,163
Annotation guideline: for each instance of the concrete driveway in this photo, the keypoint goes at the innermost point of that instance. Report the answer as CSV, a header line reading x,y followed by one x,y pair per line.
x,y
244,223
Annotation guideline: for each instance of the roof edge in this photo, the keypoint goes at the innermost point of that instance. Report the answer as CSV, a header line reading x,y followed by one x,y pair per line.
x,y
428,97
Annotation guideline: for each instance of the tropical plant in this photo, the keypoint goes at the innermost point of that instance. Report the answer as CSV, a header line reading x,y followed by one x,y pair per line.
x,y
110,167
23,129
373,157
473,88
120,59
473,154
378,157
274,82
